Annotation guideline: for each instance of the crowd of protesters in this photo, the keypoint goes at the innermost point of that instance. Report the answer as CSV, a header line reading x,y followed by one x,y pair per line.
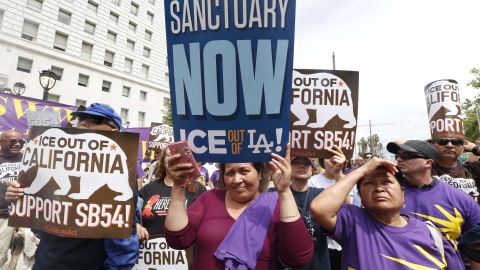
x,y
420,212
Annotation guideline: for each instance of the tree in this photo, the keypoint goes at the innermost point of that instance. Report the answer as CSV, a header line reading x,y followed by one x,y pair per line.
x,y
167,112
362,146
375,145
371,144
470,124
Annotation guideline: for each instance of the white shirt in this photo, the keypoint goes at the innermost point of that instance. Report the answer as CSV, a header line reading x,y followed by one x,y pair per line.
x,y
320,181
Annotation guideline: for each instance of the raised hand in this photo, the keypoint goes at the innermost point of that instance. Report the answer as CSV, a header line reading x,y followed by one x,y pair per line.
x,y
14,191
338,156
177,172
281,171
375,163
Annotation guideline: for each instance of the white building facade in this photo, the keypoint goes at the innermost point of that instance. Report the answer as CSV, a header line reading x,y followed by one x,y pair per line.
x,y
109,51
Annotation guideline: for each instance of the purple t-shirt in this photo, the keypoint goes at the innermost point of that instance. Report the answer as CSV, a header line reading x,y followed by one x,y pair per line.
x,y
369,244
450,209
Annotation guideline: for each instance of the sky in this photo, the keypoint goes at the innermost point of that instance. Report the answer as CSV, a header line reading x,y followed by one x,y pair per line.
x,y
398,47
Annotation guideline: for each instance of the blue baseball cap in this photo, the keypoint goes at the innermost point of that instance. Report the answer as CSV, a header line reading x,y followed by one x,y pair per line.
x,y
103,110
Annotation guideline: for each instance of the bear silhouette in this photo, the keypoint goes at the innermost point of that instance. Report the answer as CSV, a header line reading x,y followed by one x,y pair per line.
x,y
324,112
89,181
9,171
453,108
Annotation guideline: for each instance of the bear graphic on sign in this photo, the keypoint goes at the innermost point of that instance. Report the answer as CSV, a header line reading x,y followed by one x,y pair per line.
x,y
326,101
8,170
91,179
443,93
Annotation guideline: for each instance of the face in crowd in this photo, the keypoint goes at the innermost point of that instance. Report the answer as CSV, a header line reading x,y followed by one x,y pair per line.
x,y
368,156
97,123
11,143
358,161
301,168
243,181
448,148
409,163
381,192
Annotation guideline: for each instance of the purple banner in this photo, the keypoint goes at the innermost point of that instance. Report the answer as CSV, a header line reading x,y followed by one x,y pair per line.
x,y
142,148
13,111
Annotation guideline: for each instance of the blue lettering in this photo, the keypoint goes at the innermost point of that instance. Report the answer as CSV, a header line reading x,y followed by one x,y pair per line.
x,y
229,71
260,82
264,79
188,80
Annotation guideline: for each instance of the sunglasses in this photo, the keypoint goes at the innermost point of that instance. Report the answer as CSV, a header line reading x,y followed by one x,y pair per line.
x,y
444,142
98,120
408,156
13,142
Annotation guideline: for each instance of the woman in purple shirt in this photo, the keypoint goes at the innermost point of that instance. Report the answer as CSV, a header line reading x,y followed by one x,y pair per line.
x,y
241,224
377,236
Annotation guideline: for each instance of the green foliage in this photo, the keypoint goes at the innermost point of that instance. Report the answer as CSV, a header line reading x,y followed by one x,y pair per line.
x,y
371,144
470,123
167,112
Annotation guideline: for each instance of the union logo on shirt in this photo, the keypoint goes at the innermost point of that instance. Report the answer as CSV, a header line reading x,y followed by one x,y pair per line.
x,y
451,227
414,266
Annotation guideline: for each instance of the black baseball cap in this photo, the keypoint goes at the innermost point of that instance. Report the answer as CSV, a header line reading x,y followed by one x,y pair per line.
x,y
312,162
413,146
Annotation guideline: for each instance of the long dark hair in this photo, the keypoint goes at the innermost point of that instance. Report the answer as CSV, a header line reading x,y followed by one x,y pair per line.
x,y
160,171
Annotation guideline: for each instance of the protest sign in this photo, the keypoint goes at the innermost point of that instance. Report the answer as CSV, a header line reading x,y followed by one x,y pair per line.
x,y
13,111
444,109
144,156
155,254
8,173
160,136
43,118
324,112
78,183
9,168
230,69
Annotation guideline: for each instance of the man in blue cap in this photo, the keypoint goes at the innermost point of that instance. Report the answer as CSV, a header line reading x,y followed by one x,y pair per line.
x,y
61,253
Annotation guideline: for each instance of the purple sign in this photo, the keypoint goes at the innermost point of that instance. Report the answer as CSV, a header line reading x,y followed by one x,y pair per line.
x,y
142,148
13,111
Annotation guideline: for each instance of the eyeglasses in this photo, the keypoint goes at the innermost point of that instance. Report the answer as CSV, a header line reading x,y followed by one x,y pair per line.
x,y
444,142
98,120
408,156
13,142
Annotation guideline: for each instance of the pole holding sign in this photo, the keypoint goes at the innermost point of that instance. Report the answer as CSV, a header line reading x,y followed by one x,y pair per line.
x,y
230,68
478,117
